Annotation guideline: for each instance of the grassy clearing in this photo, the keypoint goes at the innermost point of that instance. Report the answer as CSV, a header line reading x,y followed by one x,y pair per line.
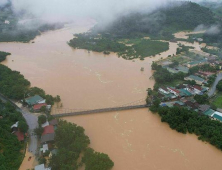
x,y
218,100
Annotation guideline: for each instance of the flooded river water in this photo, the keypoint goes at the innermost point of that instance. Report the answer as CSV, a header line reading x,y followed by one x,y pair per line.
x,y
135,139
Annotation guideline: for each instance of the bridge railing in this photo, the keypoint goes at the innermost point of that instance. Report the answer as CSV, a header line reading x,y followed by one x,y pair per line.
x,y
100,110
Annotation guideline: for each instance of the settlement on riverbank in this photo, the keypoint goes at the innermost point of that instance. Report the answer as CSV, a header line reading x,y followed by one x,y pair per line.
x,y
139,139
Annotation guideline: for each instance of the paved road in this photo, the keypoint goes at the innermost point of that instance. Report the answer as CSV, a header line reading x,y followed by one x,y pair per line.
x,y
32,122
213,88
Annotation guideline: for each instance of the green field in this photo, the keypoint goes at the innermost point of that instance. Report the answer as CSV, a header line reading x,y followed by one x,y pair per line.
x,y
218,101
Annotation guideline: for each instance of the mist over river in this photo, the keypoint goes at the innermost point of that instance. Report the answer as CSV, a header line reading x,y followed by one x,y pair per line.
x,y
134,139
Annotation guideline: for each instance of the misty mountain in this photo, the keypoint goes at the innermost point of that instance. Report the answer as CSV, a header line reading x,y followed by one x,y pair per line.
x,y
162,22
11,29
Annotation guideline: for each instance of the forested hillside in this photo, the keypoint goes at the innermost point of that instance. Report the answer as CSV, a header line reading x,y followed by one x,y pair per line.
x,y
162,22
10,148
126,34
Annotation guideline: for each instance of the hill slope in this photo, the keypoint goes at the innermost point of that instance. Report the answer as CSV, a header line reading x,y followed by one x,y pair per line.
x,y
162,22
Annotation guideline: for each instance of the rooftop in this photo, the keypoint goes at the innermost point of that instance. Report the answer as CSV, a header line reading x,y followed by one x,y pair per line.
x,y
209,112
19,135
53,122
187,93
15,125
48,129
182,69
204,107
39,106
40,167
47,137
196,78
218,117
33,100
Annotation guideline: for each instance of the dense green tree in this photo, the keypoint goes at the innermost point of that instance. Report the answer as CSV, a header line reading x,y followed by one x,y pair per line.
x,y
96,161
38,131
3,55
57,98
71,142
10,147
184,120
12,83
23,126
42,119
201,99
219,86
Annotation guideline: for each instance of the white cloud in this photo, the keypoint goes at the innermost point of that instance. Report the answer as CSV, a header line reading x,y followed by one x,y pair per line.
x,y
3,2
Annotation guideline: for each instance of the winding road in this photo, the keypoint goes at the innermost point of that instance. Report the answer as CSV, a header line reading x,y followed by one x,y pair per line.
x,y
213,88
32,121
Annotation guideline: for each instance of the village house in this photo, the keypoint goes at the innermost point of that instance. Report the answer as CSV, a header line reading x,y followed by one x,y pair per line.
x,y
45,124
44,148
195,89
182,69
163,90
48,138
204,74
14,127
197,79
16,131
184,93
48,134
191,105
37,107
217,116
34,100
54,123
41,167
203,108
174,91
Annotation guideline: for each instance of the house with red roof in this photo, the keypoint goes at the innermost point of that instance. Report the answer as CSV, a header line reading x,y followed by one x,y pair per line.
x,y
48,134
19,135
195,89
48,130
174,91
37,107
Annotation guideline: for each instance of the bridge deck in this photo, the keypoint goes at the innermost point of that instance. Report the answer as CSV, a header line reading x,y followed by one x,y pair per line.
x,y
100,110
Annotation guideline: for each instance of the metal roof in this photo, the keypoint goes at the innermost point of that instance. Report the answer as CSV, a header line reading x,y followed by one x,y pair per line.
x,y
218,117
33,100
47,137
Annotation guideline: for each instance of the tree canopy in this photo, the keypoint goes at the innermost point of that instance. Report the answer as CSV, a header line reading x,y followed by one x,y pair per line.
x,y
10,147
219,86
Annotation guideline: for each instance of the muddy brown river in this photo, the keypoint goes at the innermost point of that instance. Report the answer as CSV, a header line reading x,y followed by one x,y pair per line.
x,y
135,139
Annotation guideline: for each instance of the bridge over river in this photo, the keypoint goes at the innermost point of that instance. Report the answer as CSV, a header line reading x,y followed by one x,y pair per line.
x,y
72,112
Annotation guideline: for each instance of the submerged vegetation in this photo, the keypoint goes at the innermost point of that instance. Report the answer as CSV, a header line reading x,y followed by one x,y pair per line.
x,y
141,49
184,120
10,148
71,145
3,55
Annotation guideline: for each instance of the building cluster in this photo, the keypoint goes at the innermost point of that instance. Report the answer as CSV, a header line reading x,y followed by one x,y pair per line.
x,y
182,90
182,97
35,103
47,142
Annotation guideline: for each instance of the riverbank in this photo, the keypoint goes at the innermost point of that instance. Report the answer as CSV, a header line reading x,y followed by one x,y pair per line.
x,y
134,139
